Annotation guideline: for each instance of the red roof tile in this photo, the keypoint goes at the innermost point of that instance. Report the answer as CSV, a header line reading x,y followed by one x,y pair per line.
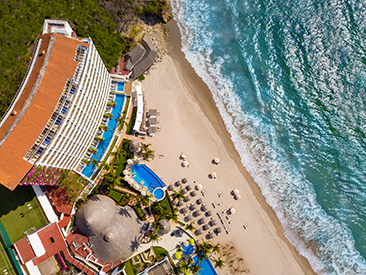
x,y
59,68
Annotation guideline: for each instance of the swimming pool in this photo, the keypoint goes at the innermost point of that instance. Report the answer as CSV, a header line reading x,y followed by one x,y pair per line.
x,y
120,86
145,176
107,135
207,268
188,250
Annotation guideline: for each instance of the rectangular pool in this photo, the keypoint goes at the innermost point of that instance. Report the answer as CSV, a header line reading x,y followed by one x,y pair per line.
x,y
107,135
120,87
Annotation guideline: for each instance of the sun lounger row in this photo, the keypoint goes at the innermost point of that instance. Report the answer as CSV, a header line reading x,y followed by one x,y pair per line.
x,y
203,192
225,221
216,204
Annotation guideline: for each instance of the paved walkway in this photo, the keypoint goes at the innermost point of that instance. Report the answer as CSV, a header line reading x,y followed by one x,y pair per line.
x,y
45,203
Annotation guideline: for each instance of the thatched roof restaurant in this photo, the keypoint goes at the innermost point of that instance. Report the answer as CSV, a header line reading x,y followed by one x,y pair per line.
x,y
112,230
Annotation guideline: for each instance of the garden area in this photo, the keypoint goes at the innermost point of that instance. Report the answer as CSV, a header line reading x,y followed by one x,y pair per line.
x,y
143,260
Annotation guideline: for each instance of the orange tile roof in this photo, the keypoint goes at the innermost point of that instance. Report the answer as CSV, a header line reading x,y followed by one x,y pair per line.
x,y
58,69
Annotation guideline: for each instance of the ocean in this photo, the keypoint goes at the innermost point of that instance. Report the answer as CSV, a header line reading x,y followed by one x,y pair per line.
x,y
289,79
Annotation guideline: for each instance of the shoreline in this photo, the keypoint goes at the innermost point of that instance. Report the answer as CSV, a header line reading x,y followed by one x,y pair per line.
x,y
198,91
207,104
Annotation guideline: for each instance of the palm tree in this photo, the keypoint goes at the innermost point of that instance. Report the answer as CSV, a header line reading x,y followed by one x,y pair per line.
x,y
175,270
114,179
195,268
119,154
145,200
216,248
155,237
201,257
184,266
121,120
146,152
219,263
95,163
156,225
172,216
190,226
178,195
204,248
110,167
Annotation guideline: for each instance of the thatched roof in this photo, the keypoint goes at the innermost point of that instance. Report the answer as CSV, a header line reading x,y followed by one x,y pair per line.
x,y
112,230
165,227
147,60
134,145
134,56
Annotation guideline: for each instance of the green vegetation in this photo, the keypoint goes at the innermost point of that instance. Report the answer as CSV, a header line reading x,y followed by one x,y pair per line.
x,y
132,121
117,196
141,77
21,23
122,120
20,212
129,267
160,251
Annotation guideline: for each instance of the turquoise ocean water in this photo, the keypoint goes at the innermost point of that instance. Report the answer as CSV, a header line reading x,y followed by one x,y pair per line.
x,y
289,79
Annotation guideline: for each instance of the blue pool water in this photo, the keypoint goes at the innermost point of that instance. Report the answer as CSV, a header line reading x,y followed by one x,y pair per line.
x,y
159,193
207,268
107,135
188,250
120,86
150,180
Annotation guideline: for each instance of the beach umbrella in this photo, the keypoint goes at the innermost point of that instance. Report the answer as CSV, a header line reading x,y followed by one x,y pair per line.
x,y
185,163
199,201
197,213
199,186
193,193
211,235
236,192
178,183
232,210
213,175
184,180
188,188
171,187
213,222
218,230
191,241
185,210
178,255
175,202
216,160
188,198
237,197
206,227
202,221
193,207
184,191
180,204
189,218
204,208
183,156
209,213
199,231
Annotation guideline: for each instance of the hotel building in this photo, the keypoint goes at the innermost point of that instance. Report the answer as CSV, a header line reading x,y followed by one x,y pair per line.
x,y
58,111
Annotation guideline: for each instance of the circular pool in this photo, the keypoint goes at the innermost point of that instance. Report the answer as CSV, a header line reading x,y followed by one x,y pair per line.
x,y
159,193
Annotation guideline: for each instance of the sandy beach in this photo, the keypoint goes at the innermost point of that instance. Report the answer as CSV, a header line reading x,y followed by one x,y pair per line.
x,y
190,123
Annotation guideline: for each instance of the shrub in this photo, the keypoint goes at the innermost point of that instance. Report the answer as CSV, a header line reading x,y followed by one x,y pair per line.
x,y
141,77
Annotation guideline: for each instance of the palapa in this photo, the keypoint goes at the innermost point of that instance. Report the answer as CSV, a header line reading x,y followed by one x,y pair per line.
x,y
164,227
209,213
204,208
199,186
193,193
202,221
184,180
197,213
198,232
188,188
193,207
199,201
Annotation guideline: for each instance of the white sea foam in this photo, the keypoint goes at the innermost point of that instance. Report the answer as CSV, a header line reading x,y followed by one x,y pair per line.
x,y
326,243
